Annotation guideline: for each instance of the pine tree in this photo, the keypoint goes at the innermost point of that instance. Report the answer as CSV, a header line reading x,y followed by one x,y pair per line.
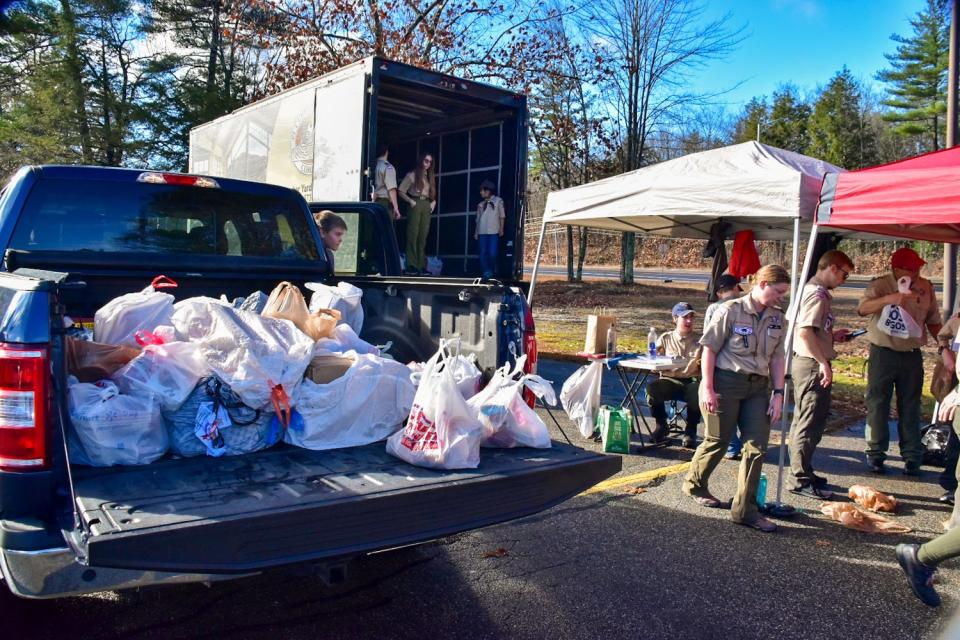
x,y
917,79
839,128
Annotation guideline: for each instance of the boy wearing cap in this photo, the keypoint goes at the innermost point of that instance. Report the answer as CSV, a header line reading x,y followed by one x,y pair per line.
x,y
896,363
679,342
490,218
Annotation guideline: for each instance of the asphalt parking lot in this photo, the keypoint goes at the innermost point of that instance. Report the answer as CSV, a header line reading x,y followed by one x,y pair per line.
x,y
631,558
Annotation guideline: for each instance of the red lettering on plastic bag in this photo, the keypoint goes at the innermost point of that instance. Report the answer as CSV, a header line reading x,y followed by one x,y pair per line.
x,y
420,433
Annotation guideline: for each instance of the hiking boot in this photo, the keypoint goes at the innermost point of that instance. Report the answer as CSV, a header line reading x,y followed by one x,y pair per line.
x,y
660,433
919,575
911,469
688,442
876,466
819,481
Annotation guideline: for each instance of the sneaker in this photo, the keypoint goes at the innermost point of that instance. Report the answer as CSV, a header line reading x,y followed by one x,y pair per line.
x,y
819,481
946,498
919,575
688,442
732,455
659,434
812,491
876,466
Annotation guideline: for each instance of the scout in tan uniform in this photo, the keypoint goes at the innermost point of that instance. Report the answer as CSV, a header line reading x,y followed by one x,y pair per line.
x,y
812,371
385,183
682,385
946,340
419,189
896,363
742,355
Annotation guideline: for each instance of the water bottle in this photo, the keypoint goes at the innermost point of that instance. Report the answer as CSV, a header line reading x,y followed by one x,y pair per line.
x,y
612,341
762,490
652,342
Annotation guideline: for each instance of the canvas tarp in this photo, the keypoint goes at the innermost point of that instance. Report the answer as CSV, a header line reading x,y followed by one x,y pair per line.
x,y
749,186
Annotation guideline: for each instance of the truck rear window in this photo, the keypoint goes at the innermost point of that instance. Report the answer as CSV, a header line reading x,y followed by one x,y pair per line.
x,y
75,215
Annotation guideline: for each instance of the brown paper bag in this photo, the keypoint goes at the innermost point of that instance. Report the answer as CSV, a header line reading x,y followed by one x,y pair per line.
x,y
92,361
942,382
286,302
598,323
321,323
327,368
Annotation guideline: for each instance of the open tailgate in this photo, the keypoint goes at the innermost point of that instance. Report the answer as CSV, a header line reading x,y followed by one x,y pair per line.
x,y
287,505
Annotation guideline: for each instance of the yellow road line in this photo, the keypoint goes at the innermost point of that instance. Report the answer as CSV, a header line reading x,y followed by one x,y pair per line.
x,y
637,478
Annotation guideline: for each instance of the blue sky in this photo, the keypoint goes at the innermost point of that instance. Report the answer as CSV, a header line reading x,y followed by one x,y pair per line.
x,y
803,42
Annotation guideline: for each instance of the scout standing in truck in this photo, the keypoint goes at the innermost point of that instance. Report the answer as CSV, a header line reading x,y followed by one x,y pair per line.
x,y
385,183
419,189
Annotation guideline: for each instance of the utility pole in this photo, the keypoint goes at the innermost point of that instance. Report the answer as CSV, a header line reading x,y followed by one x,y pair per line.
x,y
950,250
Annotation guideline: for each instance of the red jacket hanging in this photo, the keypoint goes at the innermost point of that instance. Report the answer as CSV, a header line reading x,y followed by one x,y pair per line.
x,y
744,260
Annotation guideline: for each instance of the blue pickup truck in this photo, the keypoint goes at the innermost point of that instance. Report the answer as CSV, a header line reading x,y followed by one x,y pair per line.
x,y
76,237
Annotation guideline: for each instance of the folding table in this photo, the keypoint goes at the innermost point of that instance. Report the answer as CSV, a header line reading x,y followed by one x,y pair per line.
x,y
634,370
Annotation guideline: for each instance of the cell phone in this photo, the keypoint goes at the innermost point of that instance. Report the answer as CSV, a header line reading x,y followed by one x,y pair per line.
x,y
856,334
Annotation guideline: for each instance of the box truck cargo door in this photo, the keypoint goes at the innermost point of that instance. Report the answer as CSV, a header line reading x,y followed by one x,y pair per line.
x,y
338,138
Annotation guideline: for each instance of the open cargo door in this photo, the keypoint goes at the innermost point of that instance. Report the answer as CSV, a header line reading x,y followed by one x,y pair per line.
x,y
340,114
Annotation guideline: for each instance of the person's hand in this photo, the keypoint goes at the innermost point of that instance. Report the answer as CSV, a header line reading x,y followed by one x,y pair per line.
x,y
896,298
501,233
396,213
775,410
433,205
826,374
948,407
949,359
476,236
841,335
710,400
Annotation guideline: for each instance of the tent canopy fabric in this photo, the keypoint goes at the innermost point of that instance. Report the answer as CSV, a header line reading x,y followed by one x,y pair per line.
x,y
917,198
749,185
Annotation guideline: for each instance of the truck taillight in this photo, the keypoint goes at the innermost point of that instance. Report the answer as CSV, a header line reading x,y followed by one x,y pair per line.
x,y
530,350
24,371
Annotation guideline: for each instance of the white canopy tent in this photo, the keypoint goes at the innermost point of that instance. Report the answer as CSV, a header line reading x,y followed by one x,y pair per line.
x,y
749,186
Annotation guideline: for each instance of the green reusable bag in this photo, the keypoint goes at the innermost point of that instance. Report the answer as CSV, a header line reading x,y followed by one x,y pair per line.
x,y
614,424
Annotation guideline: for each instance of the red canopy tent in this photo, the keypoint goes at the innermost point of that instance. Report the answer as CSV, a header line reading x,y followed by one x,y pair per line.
x,y
916,198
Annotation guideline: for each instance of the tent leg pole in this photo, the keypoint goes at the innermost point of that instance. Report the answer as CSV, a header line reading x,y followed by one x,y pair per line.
x,y
794,260
778,508
536,263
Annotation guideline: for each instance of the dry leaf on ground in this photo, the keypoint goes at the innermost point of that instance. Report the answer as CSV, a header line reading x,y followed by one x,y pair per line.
x,y
499,552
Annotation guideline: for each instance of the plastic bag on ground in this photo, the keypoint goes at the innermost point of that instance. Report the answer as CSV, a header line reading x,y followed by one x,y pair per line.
x,y
345,298
364,405
118,321
251,353
114,429
894,319
286,302
872,499
580,397
442,431
169,371
852,517
249,429
92,361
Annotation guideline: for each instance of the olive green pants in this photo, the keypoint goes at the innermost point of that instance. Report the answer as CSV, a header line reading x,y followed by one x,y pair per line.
x,y
943,547
418,227
890,370
386,204
809,419
742,399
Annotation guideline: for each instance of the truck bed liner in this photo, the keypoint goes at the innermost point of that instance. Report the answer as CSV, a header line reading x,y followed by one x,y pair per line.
x,y
288,504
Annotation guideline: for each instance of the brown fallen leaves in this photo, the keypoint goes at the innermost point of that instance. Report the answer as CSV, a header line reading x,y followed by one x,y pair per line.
x,y
499,552
634,491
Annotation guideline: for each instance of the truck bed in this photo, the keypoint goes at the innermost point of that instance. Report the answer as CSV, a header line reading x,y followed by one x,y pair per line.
x,y
288,505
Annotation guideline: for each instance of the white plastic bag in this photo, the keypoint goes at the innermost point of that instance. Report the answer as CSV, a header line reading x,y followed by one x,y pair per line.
x,y
114,429
434,266
251,353
506,418
169,371
442,431
580,396
344,297
894,319
464,369
365,405
118,321
345,339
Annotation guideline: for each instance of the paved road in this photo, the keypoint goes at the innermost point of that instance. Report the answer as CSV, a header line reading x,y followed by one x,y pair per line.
x,y
606,564
674,275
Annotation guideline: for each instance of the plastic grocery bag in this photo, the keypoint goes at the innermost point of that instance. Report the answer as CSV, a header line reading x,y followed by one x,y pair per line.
x,y
467,375
615,426
345,339
442,431
508,421
169,371
345,298
894,319
240,429
286,302
434,266
580,396
92,361
261,359
113,429
854,518
872,499
364,405
118,321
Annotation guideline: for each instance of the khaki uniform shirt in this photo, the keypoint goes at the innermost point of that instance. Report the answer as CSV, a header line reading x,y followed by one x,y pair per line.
x,y
384,179
744,339
949,332
815,312
409,187
921,305
672,343
489,214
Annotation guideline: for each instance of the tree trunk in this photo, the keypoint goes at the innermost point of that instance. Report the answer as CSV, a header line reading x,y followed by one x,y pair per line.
x,y
74,68
215,36
570,274
582,255
627,251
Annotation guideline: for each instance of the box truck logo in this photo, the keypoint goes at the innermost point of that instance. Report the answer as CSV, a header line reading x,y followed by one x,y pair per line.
x,y
301,143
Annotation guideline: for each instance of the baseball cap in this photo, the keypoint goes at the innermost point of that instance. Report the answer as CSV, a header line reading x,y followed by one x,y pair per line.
x,y
906,258
727,281
682,309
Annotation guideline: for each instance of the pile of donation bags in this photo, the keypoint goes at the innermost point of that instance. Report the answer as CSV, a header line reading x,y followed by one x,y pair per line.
x,y
215,377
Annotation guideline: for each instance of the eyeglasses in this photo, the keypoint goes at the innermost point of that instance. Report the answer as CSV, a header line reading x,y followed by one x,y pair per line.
x,y
846,274
428,161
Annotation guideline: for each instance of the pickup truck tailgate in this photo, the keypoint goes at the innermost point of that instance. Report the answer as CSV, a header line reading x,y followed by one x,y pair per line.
x,y
288,505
